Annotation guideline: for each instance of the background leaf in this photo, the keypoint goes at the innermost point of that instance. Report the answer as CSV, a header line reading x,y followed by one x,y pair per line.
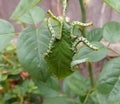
x,y
114,4
6,33
33,16
26,5
77,84
93,98
108,84
111,32
3,77
92,55
58,100
67,89
48,89
32,43
94,35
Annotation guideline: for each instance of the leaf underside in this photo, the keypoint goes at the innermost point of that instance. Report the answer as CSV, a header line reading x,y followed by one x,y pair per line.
x,y
59,60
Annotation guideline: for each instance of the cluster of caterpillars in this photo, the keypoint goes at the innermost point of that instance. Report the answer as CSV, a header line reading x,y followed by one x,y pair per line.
x,y
73,24
63,43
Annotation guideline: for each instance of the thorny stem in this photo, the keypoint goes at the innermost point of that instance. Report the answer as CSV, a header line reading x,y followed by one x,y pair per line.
x,y
83,13
91,74
83,10
91,81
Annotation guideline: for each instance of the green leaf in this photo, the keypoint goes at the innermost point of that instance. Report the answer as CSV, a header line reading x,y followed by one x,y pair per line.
x,y
53,83
108,84
77,84
23,7
115,4
18,90
33,16
60,57
111,32
7,96
15,71
67,89
93,98
6,33
29,86
91,55
94,35
58,100
3,77
32,43
47,89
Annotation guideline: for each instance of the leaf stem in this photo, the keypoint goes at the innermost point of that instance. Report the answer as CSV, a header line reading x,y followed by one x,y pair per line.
x,y
91,74
88,94
83,13
114,51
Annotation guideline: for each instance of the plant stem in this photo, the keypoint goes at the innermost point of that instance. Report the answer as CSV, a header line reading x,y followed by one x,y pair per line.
x,y
83,10
91,74
88,94
83,13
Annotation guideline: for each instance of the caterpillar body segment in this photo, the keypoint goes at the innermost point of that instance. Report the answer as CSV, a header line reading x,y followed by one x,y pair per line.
x,y
53,38
51,15
76,62
77,23
80,25
54,20
85,41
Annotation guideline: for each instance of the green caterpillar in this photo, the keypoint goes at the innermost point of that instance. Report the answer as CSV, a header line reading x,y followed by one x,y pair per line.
x,y
52,38
73,24
85,41
80,25
51,15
